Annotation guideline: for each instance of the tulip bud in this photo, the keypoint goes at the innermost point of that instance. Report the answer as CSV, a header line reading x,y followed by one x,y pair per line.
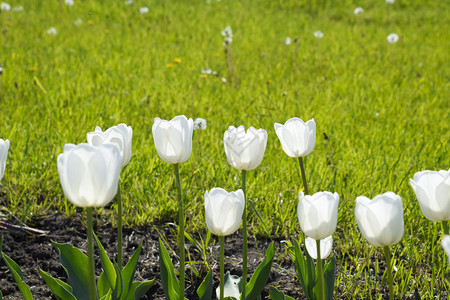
x,y
120,135
326,245
223,211
432,189
4,147
244,151
173,139
317,214
380,220
297,137
446,245
89,175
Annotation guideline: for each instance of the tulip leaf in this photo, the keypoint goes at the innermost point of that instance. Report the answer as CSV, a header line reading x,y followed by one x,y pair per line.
x,y
169,281
232,286
276,294
205,290
18,277
107,296
103,286
304,267
118,289
60,289
76,264
139,288
108,266
329,274
1,295
129,270
259,278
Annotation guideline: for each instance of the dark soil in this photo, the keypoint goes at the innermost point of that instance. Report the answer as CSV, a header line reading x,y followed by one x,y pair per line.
x,y
31,252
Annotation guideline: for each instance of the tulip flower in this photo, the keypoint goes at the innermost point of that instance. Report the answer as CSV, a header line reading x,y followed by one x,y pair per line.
x,y
317,214
120,135
446,245
89,177
432,189
173,139
297,137
326,245
223,212
4,147
244,150
381,222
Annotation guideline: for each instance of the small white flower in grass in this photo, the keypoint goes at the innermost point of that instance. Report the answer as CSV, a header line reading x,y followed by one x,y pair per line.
x,y
199,124
18,8
78,22
5,6
129,2
392,38
326,245
446,245
224,80
52,31
206,71
227,41
69,2
143,10
318,34
287,41
227,32
1,70
358,11
390,1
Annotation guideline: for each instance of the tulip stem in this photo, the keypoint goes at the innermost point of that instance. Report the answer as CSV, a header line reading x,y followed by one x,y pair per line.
x,y
90,231
180,230
445,227
222,246
244,234
320,272
387,256
119,227
302,169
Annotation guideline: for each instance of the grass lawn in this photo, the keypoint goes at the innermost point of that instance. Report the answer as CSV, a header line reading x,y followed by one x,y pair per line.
x,y
384,107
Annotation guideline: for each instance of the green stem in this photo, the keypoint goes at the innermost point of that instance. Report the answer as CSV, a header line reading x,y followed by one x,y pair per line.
x,y
244,233
180,230
90,232
445,227
302,169
222,247
387,256
320,280
119,227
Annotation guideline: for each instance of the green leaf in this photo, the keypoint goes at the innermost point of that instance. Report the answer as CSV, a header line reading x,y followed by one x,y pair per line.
x,y
103,285
18,277
329,274
1,244
276,294
107,265
259,278
205,289
1,295
118,289
60,289
304,268
107,296
170,282
76,264
129,270
139,288
259,217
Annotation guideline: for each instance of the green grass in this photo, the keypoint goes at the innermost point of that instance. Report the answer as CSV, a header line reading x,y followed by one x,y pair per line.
x,y
384,107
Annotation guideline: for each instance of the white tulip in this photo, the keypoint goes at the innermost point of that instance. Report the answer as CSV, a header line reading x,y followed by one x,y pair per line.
x,y
326,245
297,137
120,135
244,150
4,147
89,175
317,214
432,189
446,245
223,211
380,220
173,139
392,38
